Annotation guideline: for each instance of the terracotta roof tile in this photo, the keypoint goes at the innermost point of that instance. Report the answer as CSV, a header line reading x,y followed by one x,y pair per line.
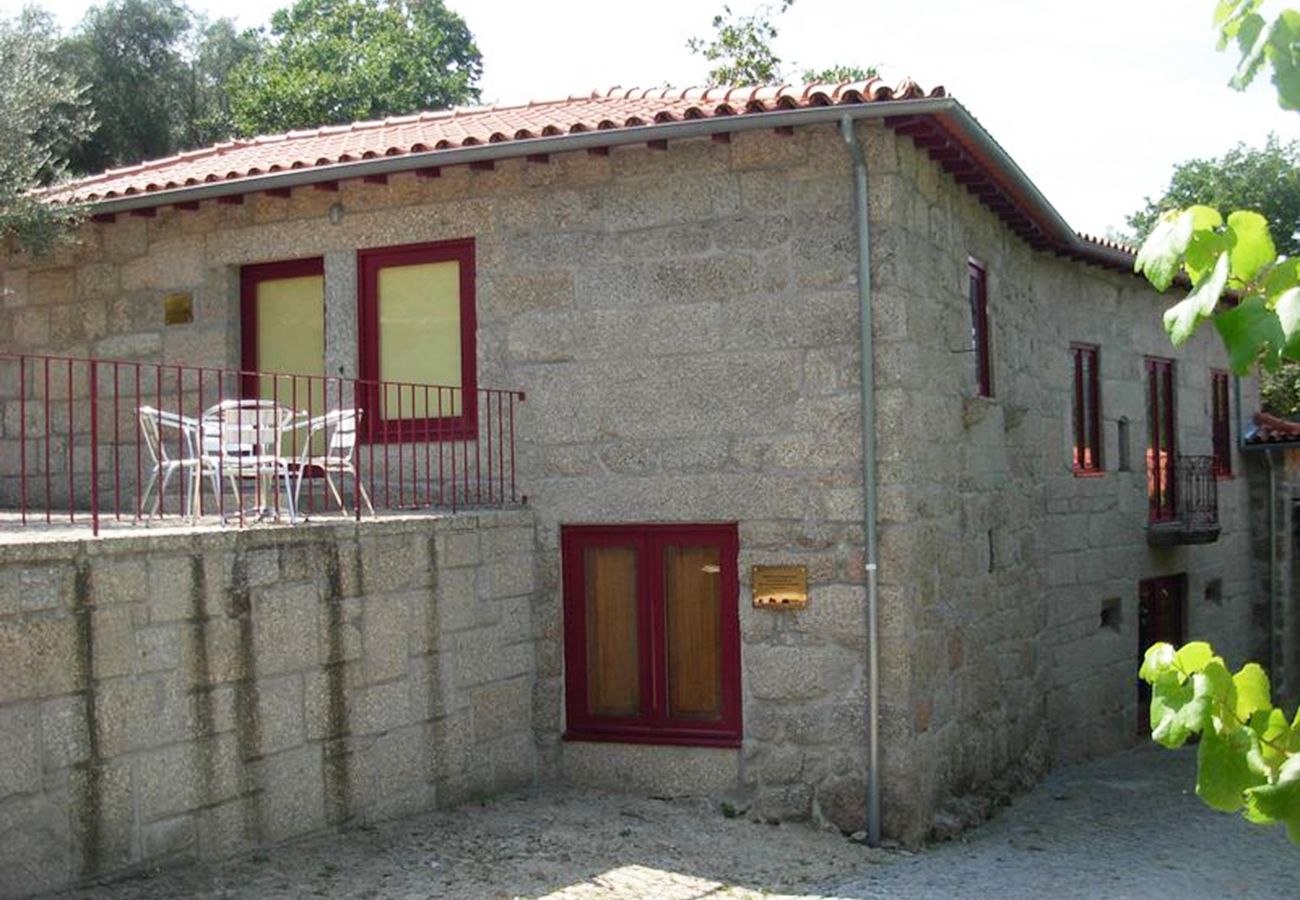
x,y
1270,429
464,127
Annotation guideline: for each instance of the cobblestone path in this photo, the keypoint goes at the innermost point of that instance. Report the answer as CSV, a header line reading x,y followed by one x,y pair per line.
x,y
1124,827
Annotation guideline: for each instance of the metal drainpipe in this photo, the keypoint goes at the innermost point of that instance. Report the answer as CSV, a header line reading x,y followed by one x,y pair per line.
x,y
1273,671
868,478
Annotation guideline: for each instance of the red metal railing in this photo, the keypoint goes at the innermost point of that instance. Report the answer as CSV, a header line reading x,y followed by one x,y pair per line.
x,y
74,448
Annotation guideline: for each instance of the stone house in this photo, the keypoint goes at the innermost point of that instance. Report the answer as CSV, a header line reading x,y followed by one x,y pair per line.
x,y
990,524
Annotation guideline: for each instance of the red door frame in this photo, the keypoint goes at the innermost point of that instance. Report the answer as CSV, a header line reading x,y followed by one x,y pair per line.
x,y
654,726
1161,459
369,262
1221,423
1087,415
1162,616
249,278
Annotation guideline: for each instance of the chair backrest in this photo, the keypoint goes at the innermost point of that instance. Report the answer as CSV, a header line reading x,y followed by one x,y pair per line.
x,y
238,429
152,423
340,427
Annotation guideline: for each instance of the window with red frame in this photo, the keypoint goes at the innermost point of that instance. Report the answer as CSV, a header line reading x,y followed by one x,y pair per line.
x,y
652,634
979,314
1221,429
1161,450
1087,410
417,323
282,330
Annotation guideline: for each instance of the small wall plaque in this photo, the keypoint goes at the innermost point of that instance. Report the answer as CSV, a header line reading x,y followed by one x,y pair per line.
x,y
780,587
178,309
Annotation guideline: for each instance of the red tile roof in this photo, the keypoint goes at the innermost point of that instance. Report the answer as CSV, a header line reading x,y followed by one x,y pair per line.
x,y
939,126
1270,429
466,127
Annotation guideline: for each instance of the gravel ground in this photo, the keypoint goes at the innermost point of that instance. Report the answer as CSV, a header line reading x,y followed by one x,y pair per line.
x,y
1123,827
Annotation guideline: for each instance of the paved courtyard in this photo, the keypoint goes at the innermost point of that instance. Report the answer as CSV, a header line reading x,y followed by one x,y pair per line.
x,y
1124,827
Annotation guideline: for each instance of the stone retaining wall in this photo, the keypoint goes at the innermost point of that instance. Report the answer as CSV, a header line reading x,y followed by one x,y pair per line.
x,y
181,697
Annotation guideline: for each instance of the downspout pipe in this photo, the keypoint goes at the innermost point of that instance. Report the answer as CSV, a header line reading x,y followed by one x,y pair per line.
x,y
860,198
1274,673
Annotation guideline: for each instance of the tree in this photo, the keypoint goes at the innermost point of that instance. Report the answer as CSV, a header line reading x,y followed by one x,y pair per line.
x,y
1235,257
336,61
127,53
1249,754
41,110
156,78
1265,179
741,52
215,50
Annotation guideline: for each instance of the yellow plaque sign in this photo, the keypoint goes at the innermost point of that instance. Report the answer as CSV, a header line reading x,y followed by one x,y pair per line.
x,y
178,309
782,587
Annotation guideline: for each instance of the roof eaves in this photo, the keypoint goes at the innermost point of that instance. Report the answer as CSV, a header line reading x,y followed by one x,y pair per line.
x,y
632,134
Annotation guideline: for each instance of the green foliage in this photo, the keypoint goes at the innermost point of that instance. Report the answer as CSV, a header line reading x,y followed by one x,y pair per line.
x,y
838,74
336,61
1265,179
741,50
215,50
1248,760
127,53
1218,257
41,111
1262,44
155,77
741,53
1279,392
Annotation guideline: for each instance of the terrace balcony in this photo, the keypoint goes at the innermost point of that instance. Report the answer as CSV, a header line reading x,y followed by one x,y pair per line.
x,y
1184,502
97,443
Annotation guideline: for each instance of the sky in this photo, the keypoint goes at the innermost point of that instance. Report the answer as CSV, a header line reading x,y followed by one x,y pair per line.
x,y
1096,101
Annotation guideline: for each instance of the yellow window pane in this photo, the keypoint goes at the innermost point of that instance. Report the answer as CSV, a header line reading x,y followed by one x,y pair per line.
x,y
692,606
613,661
419,338
291,339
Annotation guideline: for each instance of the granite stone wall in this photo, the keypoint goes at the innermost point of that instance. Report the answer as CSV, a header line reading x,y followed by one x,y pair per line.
x,y
685,324
182,697
998,562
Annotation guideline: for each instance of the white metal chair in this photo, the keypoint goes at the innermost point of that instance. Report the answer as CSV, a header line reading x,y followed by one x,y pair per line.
x,y
241,439
169,457
335,455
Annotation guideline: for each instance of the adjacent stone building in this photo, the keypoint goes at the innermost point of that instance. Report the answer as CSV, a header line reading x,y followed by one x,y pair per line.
x,y
675,281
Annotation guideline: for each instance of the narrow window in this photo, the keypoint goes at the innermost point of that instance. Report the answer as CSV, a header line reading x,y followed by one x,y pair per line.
x,y
979,314
1087,410
282,330
1122,444
417,337
651,633
1161,450
1221,429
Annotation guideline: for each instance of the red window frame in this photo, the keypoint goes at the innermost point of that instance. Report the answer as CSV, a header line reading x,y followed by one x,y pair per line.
x,y
1162,482
654,726
1220,423
383,430
1086,418
979,314
249,278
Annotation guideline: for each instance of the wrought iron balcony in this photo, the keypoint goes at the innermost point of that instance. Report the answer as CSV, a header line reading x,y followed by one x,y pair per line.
x,y
1184,501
